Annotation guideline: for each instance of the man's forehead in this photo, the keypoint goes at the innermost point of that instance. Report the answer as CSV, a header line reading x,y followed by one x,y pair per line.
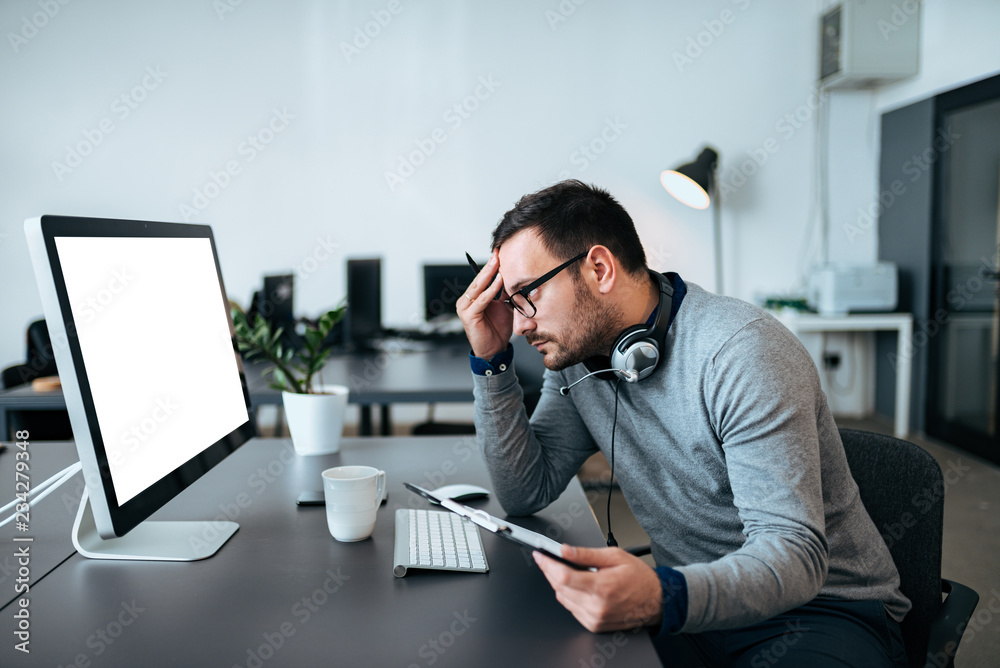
x,y
523,258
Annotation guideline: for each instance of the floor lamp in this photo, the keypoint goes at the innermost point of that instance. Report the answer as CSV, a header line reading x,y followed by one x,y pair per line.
x,y
694,184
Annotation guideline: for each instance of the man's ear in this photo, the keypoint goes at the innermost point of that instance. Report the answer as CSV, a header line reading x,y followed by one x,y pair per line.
x,y
602,267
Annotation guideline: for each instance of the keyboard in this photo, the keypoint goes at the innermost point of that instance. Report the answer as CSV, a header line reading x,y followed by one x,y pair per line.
x,y
436,540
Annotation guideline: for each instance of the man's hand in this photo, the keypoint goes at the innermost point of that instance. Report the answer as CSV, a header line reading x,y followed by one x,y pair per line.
x,y
624,592
488,324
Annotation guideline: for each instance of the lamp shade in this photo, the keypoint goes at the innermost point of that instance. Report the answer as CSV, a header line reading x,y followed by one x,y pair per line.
x,y
693,183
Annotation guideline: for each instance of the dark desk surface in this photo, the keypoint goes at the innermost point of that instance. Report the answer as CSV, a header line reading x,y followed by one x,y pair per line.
x,y
282,592
50,520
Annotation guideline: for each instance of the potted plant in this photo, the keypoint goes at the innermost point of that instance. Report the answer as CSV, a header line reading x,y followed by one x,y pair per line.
x,y
315,412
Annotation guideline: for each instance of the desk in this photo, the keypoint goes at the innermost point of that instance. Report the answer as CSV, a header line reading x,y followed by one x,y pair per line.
x,y
902,323
440,373
282,592
23,398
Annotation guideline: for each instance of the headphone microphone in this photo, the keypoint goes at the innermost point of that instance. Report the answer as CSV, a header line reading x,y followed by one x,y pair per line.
x,y
630,376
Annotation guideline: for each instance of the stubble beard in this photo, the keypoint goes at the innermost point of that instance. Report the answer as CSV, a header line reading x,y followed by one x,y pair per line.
x,y
595,329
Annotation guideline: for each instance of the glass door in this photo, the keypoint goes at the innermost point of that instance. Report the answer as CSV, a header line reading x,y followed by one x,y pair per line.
x,y
964,333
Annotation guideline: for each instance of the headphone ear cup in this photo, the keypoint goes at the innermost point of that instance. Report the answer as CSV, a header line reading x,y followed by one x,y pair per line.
x,y
634,351
638,349
640,357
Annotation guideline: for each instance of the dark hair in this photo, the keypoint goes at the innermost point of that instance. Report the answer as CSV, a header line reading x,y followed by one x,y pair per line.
x,y
570,217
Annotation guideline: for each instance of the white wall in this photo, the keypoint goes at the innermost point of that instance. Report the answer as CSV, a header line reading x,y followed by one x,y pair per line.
x,y
667,76
558,83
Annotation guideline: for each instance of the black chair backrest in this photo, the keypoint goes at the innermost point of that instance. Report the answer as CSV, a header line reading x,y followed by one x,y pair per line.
x,y
38,354
13,376
39,360
903,490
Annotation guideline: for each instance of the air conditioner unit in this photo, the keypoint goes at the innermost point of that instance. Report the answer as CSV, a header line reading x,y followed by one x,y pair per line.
x,y
838,289
867,43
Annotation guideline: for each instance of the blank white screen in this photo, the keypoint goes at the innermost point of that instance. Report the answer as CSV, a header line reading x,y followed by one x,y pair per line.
x,y
152,325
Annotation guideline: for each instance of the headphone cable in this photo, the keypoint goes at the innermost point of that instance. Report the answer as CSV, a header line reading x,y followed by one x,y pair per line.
x,y
611,483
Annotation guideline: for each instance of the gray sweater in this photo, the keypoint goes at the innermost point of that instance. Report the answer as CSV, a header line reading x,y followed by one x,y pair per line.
x,y
728,456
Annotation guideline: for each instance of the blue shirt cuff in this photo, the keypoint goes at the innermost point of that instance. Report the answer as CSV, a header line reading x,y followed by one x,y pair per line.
x,y
675,599
497,364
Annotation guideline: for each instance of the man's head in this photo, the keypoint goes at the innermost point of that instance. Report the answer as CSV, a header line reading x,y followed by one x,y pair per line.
x,y
569,218
582,309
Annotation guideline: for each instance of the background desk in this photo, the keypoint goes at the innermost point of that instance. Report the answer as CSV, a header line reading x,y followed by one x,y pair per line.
x,y
283,591
901,323
23,398
440,373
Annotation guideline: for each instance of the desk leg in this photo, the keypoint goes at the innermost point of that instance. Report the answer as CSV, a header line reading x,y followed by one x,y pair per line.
x,y
365,420
903,374
386,420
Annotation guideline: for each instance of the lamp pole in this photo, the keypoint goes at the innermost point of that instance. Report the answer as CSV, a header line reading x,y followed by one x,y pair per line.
x,y
717,221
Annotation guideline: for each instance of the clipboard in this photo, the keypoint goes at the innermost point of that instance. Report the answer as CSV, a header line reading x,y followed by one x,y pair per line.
x,y
515,534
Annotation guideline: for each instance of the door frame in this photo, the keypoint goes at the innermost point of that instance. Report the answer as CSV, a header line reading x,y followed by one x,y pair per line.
x,y
983,445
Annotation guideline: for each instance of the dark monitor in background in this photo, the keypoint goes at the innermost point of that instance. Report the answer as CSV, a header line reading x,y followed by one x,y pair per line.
x,y
277,299
364,299
443,285
275,303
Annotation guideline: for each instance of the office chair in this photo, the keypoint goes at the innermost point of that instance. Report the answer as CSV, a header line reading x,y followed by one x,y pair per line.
x,y
42,425
891,474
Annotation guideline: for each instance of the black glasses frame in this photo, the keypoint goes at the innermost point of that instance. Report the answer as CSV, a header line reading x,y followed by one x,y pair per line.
x,y
534,285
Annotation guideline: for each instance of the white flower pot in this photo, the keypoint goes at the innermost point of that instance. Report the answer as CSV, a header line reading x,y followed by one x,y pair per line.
x,y
316,421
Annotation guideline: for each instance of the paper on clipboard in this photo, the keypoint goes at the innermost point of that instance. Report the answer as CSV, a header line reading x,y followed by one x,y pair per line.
x,y
512,532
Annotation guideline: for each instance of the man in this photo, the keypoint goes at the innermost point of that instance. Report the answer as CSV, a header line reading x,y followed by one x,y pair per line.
x,y
727,452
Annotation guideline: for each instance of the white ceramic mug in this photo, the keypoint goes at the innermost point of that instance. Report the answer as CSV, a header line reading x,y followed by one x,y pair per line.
x,y
353,495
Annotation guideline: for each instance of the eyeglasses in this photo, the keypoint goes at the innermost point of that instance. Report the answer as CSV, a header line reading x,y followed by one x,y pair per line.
x,y
520,300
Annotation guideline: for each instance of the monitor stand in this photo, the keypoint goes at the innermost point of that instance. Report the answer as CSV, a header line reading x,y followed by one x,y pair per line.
x,y
150,541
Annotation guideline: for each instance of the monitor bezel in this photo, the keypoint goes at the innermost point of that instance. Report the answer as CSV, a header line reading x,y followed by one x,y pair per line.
x,y
114,519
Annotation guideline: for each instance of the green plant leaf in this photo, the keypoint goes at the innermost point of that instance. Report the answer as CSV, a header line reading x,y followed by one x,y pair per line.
x,y
283,381
319,361
292,370
313,340
331,318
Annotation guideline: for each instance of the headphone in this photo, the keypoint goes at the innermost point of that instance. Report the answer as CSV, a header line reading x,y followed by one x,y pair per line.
x,y
638,350
636,354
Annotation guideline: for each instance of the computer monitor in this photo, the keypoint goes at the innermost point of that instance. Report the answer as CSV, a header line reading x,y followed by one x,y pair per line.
x,y
140,327
443,285
275,303
277,299
364,299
